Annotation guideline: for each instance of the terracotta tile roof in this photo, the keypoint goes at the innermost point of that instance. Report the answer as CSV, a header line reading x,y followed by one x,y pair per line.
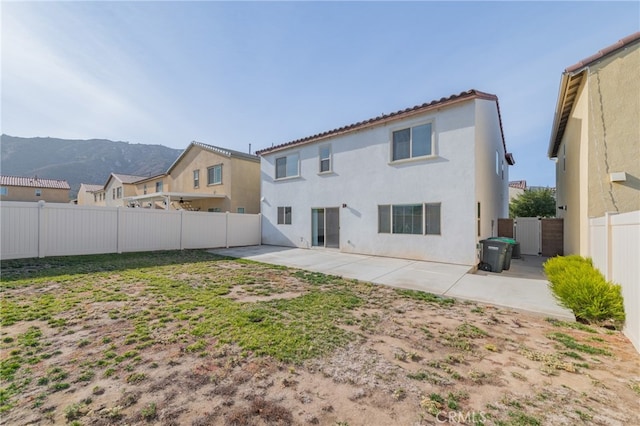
x,y
34,182
570,83
128,178
408,112
217,150
92,188
620,44
519,184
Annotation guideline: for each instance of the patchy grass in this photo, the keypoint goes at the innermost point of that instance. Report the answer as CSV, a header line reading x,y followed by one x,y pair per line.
x,y
116,339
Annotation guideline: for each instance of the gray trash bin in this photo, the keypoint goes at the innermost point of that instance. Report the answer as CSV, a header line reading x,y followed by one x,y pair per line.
x,y
494,253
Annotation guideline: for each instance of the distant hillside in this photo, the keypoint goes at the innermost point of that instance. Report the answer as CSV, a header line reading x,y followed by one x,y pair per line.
x,y
81,161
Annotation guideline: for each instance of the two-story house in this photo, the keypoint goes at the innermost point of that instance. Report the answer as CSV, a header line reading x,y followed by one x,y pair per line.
x,y
424,183
19,188
118,187
91,195
204,178
595,140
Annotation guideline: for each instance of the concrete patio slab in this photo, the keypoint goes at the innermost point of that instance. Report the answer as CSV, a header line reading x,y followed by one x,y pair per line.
x,y
523,287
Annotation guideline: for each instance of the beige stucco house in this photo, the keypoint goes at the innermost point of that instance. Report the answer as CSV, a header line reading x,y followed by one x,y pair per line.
x,y
91,195
17,188
118,187
204,178
596,140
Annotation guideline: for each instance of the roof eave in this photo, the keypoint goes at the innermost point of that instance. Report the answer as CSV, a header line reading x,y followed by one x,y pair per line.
x,y
384,119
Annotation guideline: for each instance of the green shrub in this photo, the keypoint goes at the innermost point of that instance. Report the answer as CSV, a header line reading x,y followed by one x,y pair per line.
x,y
579,286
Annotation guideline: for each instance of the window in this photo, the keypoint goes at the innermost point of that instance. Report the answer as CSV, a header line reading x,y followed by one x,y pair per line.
x,y
95,198
159,186
432,219
38,192
144,189
214,210
288,166
325,158
196,178
412,142
384,219
119,192
284,215
240,210
214,175
113,193
407,219
4,190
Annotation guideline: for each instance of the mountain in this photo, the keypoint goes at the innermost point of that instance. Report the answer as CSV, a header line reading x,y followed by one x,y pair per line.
x,y
81,161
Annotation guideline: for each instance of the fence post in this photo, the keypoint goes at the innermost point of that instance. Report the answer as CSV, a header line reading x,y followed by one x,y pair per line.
x,y
608,273
226,229
181,229
41,233
119,228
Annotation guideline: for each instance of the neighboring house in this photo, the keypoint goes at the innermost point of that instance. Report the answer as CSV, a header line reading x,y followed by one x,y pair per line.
x,y
517,188
16,188
425,183
150,193
205,178
91,195
596,140
119,186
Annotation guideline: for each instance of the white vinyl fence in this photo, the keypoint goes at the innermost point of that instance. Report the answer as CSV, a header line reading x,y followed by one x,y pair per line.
x,y
49,229
614,246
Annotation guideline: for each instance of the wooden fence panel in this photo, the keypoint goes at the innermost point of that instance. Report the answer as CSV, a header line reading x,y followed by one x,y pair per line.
x,y
552,237
505,228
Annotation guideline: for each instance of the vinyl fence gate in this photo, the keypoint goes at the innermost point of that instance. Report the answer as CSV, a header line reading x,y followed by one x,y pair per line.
x,y
537,236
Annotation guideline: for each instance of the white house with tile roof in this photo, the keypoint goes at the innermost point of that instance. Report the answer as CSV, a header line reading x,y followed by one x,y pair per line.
x,y
426,183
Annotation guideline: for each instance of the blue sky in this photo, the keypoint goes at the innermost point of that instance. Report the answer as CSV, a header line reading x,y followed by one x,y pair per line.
x,y
264,73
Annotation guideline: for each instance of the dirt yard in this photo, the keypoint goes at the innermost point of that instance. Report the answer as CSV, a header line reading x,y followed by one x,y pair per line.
x,y
194,339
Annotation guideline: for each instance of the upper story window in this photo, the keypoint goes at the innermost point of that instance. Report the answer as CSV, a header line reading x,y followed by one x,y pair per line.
x,y
119,192
288,166
240,210
113,193
4,190
144,189
159,186
38,192
325,158
214,175
196,178
412,142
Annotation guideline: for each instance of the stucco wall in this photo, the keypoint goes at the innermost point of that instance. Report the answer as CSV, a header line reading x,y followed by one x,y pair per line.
x,y
491,183
21,193
245,185
614,133
570,190
362,178
240,180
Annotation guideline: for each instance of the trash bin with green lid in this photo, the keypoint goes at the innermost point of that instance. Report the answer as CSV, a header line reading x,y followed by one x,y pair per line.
x,y
515,246
493,255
